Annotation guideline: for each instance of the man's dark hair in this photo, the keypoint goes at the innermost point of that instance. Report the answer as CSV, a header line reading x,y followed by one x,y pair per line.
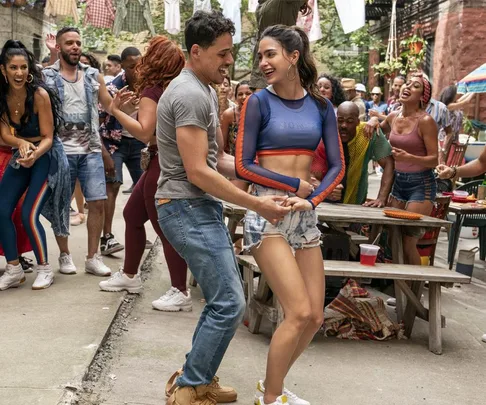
x,y
203,28
65,30
114,58
46,59
130,51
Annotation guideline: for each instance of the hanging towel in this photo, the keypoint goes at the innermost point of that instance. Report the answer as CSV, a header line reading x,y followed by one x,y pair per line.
x,y
252,5
99,13
232,10
203,5
62,8
351,13
315,33
133,16
172,22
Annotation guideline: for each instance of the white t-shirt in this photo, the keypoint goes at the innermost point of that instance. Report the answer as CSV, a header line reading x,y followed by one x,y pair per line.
x,y
172,17
231,10
203,5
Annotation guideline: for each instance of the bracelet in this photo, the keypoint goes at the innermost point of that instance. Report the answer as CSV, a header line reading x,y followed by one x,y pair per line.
x,y
454,173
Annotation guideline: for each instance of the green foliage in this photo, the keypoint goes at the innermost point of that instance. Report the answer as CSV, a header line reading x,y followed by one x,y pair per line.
x,y
410,45
344,55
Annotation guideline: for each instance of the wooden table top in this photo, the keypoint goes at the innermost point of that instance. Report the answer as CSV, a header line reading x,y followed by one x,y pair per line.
x,y
348,213
467,208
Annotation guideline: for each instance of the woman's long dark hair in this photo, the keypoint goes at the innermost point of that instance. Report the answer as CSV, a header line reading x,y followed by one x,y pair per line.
x,y
295,39
448,95
93,62
338,96
16,48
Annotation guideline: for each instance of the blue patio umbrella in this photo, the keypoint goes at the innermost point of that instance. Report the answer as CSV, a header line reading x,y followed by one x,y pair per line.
x,y
474,82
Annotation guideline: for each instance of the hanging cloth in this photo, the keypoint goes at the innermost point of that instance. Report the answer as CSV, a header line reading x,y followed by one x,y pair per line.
x,y
133,16
99,13
172,23
203,5
305,21
62,8
252,5
232,10
315,33
351,13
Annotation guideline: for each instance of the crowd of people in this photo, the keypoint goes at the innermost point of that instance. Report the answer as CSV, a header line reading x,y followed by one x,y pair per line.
x,y
190,138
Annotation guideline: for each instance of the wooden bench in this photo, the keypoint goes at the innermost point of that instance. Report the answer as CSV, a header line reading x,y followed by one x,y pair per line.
x,y
262,303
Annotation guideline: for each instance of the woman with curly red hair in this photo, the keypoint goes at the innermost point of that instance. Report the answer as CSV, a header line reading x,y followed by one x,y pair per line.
x,y
162,62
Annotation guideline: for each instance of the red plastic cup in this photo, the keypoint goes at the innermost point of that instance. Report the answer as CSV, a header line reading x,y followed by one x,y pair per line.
x,y
368,254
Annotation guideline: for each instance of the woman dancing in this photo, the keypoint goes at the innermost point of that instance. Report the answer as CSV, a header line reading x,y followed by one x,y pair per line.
x,y
162,62
29,114
283,125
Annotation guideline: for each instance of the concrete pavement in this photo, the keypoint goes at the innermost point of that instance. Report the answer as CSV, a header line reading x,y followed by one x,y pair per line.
x,y
50,337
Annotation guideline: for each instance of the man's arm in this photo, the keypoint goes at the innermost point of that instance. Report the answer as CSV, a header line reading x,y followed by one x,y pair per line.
x,y
192,143
474,168
226,163
447,143
388,165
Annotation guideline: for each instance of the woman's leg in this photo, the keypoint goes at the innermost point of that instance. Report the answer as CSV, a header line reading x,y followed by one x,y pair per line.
x,y
176,264
38,193
135,215
410,251
12,186
285,279
311,267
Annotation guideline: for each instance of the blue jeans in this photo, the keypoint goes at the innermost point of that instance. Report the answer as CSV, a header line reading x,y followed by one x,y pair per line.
x,y
128,152
196,230
90,171
414,187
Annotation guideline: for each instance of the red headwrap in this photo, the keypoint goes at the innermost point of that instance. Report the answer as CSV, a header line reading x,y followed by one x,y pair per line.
x,y
427,94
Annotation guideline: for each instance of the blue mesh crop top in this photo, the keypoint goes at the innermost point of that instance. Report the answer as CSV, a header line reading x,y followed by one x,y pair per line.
x,y
271,125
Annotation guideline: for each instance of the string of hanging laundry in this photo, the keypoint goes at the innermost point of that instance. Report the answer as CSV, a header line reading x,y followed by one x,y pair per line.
x,y
135,16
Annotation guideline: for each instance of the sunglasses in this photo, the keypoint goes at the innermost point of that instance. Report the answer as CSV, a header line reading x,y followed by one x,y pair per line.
x,y
78,125
376,94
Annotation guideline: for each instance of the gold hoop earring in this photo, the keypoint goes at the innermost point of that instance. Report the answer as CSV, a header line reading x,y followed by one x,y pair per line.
x,y
288,71
30,78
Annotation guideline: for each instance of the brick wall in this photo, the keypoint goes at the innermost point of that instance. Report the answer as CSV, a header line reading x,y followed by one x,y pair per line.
x,y
26,26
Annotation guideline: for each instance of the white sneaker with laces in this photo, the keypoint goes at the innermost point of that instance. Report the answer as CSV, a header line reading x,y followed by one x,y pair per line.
x,y
282,399
96,266
290,397
174,301
45,277
13,277
66,264
120,281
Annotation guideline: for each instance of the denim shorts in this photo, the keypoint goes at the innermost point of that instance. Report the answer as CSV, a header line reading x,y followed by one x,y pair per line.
x,y
414,187
128,152
298,228
90,171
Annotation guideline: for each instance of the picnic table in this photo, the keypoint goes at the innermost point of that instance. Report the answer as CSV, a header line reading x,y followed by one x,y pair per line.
x,y
462,210
342,215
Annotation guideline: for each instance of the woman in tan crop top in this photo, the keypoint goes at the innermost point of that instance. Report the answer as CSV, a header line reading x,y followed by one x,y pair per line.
x,y
413,137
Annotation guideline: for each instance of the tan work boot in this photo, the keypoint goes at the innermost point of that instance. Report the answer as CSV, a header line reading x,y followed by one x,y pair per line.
x,y
222,394
192,396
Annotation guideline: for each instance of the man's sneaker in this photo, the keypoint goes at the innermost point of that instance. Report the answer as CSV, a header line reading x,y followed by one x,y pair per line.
x,y
120,281
110,245
148,244
45,277
96,266
484,338
128,190
191,396
291,398
282,399
13,277
174,301
26,263
392,302
66,264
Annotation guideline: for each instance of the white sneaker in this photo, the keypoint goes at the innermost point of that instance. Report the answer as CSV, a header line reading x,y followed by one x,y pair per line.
x,y
66,264
120,281
290,397
391,302
282,399
174,301
13,277
484,338
45,277
96,266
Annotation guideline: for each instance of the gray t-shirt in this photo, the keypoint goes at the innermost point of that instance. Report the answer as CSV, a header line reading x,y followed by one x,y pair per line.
x,y
186,102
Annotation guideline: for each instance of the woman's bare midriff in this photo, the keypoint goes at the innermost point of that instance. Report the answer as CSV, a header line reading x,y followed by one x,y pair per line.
x,y
289,165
